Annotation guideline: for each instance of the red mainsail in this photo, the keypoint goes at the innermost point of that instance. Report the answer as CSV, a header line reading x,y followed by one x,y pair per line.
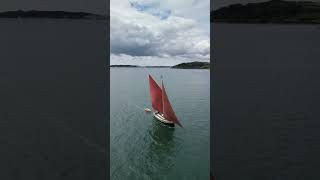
x,y
156,95
168,112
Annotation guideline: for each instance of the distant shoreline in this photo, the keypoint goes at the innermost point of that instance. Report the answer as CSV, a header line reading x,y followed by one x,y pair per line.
x,y
134,66
35,14
257,23
189,65
269,12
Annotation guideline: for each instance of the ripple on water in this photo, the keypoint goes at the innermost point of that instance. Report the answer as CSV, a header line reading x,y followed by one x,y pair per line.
x,y
143,148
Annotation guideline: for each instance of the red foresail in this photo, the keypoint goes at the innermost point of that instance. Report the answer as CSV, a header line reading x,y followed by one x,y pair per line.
x,y
156,95
168,112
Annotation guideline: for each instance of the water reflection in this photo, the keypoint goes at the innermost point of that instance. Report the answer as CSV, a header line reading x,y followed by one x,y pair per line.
x,y
162,146
161,134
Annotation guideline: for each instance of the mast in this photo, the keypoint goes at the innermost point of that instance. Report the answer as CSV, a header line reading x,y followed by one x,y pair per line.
x,y
168,112
156,95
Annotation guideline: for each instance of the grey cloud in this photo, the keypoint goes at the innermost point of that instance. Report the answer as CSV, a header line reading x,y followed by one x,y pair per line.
x,y
176,37
138,37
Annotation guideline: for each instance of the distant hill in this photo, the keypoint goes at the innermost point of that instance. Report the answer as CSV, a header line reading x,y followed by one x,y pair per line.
x,y
190,65
50,14
135,66
123,66
274,11
193,65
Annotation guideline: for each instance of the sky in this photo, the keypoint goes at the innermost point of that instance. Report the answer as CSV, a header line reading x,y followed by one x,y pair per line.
x,y
159,32
92,6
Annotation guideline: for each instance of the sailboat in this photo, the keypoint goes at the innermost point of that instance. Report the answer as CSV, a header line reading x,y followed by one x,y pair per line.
x,y
162,109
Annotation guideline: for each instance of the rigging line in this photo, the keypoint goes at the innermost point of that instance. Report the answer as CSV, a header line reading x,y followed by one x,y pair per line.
x,y
137,106
146,90
146,69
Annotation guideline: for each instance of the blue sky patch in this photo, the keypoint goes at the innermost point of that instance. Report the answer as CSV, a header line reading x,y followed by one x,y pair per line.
x,y
151,8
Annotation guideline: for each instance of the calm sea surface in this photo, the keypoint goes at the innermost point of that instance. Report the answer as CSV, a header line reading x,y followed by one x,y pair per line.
x,y
266,102
142,148
53,99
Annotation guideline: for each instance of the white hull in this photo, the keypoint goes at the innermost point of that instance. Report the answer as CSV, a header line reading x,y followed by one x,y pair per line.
x,y
160,118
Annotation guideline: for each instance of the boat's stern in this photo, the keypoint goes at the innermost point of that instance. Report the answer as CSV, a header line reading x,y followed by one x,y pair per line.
x,y
160,118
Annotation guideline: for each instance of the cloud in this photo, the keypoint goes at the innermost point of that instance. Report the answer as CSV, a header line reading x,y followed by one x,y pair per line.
x,y
152,31
152,8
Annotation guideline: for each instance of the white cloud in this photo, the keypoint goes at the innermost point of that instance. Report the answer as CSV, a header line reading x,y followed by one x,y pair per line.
x,y
140,34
